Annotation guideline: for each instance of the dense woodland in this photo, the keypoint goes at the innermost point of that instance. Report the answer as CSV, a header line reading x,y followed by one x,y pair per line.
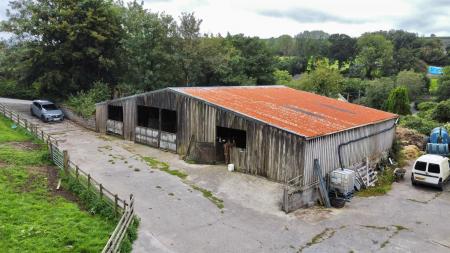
x,y
86,51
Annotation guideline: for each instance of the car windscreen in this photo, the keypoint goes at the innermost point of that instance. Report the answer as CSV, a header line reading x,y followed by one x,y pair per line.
x,y
420,166
434,168
49,107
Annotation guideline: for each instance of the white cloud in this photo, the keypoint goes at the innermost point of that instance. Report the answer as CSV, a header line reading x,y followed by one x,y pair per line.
x,y
270,18
276,17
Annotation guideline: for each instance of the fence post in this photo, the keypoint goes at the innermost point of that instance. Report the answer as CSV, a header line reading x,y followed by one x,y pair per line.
x,y
51,149
42,134
89,181
131,201
66,161
25,122
77,172
18,119
116,200
101,191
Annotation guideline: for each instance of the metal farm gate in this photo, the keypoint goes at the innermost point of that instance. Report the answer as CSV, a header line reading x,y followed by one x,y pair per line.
x,y
57,156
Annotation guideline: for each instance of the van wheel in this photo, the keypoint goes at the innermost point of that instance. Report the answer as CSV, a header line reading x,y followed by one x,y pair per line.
x,y
413,182
440,186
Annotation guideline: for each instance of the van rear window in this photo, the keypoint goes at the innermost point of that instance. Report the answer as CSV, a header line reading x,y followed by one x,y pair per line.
x,y
420,166
434,168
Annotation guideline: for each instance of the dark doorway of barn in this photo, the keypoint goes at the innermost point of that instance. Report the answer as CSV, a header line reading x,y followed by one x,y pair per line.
x,y
169,128
114,125
147,129
148,117
226,139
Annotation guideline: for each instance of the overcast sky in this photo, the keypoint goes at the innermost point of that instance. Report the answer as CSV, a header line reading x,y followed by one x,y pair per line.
x,y
271,18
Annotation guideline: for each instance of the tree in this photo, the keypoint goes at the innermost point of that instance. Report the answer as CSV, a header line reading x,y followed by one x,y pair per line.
x,y
413,81
219,63
322,80
352,88
71,44
311,43
150,43
398,101
433,52
375,54
443,90
255,59
342,47
283,45
188,53
377,91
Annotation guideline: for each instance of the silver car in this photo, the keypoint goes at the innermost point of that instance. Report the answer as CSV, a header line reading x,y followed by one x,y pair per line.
x,y
46,111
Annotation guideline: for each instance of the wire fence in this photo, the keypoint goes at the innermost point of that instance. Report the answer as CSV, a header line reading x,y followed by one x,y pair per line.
x,y
61,159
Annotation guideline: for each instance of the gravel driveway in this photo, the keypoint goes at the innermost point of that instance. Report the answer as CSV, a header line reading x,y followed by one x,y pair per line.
x,y
177,218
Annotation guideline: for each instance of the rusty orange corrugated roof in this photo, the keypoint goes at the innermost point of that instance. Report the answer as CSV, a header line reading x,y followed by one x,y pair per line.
x,y
306,114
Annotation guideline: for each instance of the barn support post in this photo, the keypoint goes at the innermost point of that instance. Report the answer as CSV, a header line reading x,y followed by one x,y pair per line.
x,y
159,127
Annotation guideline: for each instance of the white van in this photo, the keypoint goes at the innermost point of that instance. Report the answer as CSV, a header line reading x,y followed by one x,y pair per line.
x,y
431,170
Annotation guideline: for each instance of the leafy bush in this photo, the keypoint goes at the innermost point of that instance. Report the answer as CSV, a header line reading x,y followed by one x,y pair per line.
x,y
442,111
10,88
282,77
419,124
84,102
425,106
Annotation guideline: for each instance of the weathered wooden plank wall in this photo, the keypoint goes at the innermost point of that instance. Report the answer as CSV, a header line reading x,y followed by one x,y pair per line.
x,y
101,116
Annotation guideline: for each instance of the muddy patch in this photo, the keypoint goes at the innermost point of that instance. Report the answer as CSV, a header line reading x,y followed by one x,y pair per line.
x,y
25,145
51,174
52,180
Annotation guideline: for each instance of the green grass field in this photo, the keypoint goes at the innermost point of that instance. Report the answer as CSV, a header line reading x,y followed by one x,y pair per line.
x,y
33,217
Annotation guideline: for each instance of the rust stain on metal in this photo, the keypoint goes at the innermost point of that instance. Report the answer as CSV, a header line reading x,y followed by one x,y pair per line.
x,y
301,112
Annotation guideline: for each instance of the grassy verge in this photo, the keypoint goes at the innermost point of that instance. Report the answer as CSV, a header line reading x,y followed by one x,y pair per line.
x,y
382,186
207,194
33,217
162,166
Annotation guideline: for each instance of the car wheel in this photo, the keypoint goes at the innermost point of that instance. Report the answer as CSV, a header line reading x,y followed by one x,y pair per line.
x,y
31,112
43,119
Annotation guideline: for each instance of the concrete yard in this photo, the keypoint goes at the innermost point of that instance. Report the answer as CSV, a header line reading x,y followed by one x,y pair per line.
x,y
177,218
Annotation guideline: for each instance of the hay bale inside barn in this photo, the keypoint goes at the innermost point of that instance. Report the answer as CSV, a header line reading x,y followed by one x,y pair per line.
x,y
271,131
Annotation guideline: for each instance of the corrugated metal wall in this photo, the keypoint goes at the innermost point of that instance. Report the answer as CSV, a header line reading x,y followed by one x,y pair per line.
x,y
326,148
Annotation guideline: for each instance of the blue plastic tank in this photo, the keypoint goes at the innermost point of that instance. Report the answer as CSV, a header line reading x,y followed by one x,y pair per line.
x,y
439,135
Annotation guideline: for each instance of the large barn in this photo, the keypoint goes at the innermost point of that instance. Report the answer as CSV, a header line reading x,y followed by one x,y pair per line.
x,y
276,132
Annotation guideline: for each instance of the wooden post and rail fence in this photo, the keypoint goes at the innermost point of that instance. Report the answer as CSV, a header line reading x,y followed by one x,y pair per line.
x,y
61,159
